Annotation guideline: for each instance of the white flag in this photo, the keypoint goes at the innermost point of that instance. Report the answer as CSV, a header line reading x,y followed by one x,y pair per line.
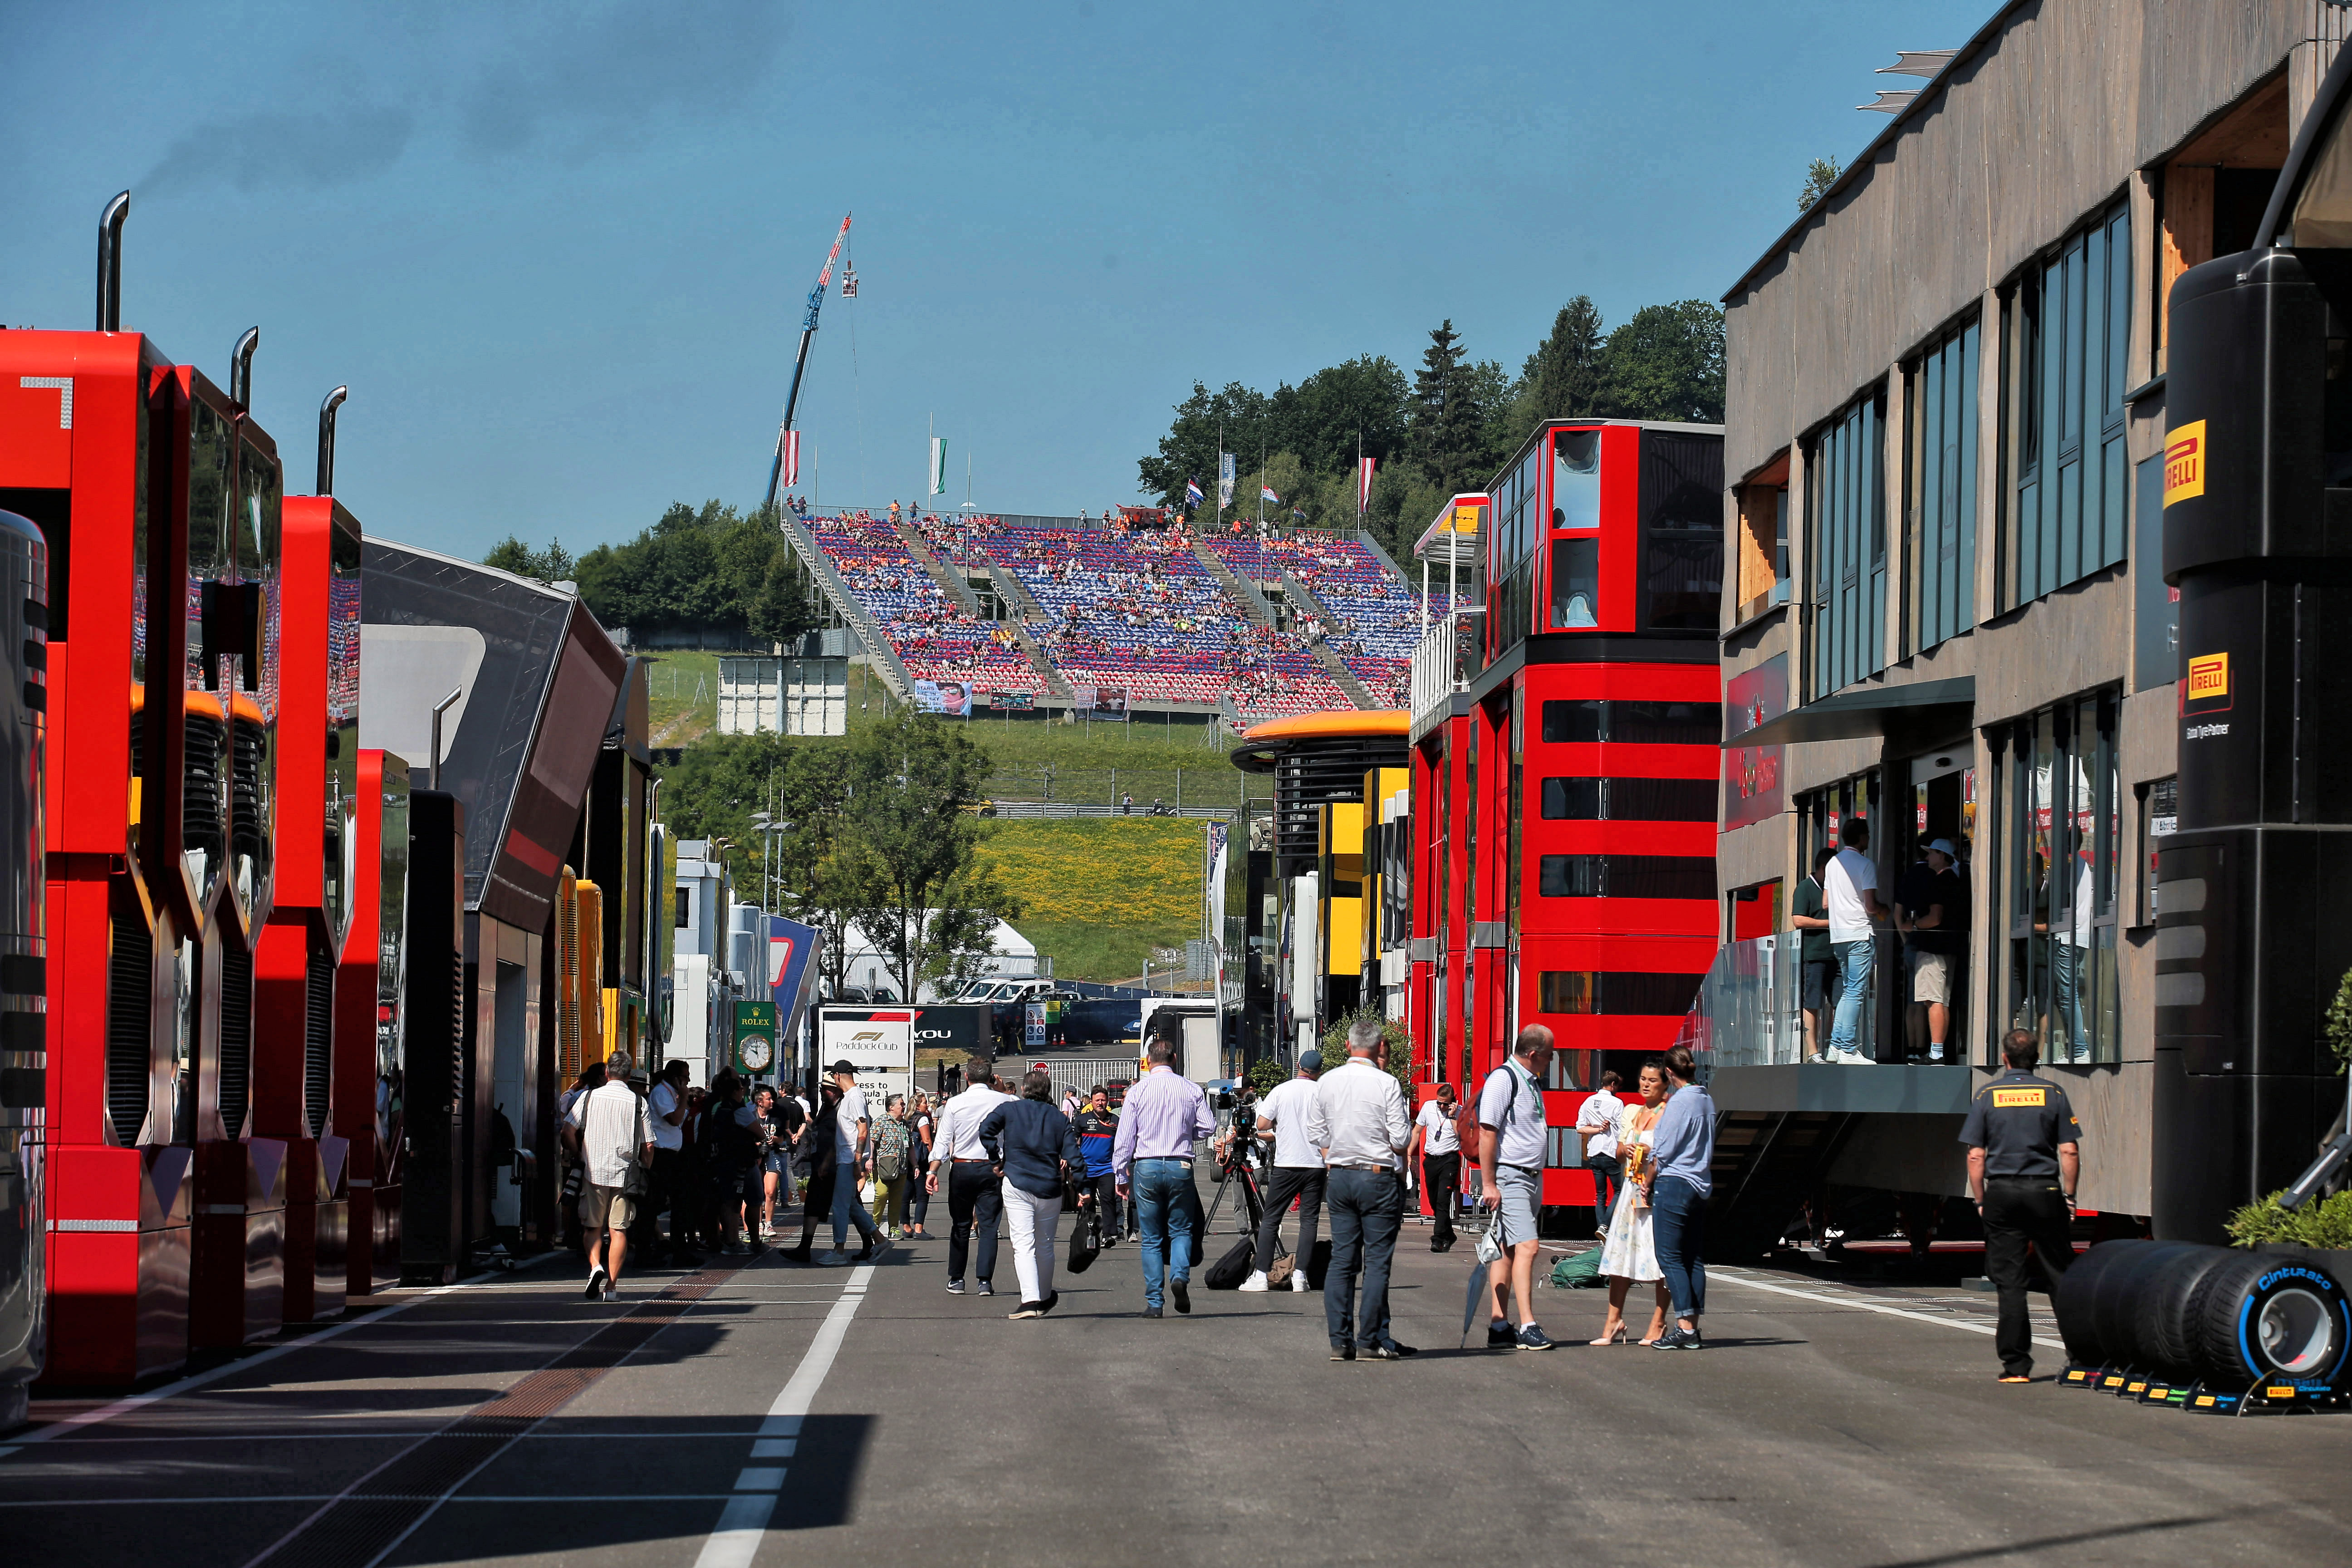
x,y
939,465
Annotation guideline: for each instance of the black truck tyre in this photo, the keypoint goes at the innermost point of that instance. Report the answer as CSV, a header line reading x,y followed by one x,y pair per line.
x,y
2073,1301
2116,1310
2164,1318
2272,1318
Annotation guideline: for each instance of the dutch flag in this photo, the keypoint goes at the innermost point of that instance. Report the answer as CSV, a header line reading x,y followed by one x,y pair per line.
x,y
1266,492
1192,495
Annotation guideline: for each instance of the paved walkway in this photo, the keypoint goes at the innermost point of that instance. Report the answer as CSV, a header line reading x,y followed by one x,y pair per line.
x,y
776,1413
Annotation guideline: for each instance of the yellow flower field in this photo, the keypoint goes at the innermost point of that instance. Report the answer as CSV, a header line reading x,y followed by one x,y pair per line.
x,y
1099,893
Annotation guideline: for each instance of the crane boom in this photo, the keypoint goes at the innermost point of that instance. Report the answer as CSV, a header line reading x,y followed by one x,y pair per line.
x,y
800,363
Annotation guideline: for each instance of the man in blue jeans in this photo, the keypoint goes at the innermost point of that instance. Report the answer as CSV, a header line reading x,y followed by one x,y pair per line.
x,y
1357,1122
852,1155
1165,1115
1681,1152
1850,887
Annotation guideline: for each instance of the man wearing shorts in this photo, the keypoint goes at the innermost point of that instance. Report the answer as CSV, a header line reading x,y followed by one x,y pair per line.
x,y
614,1133
1931,907
1512,1142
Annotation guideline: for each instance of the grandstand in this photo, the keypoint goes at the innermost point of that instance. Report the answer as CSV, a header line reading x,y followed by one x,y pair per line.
x,y
1131,608
934,636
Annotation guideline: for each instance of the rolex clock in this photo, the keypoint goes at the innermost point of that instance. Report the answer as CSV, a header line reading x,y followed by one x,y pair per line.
x,y
756,1052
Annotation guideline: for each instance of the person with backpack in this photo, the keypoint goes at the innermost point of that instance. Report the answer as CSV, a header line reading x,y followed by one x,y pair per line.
x,y
887,1152
1513,1139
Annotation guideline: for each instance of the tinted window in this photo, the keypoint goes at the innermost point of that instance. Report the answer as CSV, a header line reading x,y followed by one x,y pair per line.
x,y
1626,876
1620,991
1576,584
1634,723
1629,800
1682,529
1576,479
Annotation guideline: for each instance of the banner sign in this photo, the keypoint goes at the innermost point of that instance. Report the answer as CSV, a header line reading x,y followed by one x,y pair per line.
x,y
879,1043
1016,701
1109,699
1032,1034
950,697
793,951
1751,775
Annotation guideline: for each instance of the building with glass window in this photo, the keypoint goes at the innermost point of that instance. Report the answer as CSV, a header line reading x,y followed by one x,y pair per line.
x,y
1946,615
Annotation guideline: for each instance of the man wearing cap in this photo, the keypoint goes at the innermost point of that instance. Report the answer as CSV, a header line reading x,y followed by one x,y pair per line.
x,y
1283,1116
853,1130
1931,909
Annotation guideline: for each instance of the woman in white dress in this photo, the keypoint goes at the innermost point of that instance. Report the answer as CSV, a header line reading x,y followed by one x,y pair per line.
x,y
1627,1255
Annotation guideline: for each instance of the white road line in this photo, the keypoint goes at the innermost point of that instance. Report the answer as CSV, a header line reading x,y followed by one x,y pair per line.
x,y
172,1390
1729,1277
743,1522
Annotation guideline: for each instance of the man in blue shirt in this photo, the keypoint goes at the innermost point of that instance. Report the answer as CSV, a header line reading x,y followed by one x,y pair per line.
x,y
1682,1158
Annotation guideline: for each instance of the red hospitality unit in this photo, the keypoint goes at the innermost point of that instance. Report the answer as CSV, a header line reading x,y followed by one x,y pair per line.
x,y
1572,761
294,969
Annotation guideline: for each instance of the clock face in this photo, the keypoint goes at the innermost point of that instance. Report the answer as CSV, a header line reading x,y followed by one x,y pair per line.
x,y
756,1052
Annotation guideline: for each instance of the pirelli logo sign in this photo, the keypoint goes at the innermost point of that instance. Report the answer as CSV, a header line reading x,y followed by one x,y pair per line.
x,y
2184,462
2209,676
2023,1098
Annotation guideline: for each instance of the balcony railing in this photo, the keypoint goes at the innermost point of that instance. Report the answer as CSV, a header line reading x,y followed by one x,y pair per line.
x,y
1445,660
1750,1007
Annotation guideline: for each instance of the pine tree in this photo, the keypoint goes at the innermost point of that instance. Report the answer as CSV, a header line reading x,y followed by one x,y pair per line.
x,y
1564,374
1447,437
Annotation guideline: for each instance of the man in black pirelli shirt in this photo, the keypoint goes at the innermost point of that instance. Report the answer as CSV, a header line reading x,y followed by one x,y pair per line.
x,y
2024,1163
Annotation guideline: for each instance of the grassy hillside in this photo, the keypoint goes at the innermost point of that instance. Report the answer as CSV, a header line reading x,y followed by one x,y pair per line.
x,y
1103,893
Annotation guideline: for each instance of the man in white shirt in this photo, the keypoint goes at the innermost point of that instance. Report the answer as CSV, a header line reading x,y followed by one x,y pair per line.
x,y
1850,887
614,1135
1358,1124
1513,1139
974,1199
666,1114
851,1133
1596,1124
1297,1172
1437,1146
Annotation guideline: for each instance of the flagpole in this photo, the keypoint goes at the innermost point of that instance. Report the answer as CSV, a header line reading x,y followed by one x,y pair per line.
x,y
1221,476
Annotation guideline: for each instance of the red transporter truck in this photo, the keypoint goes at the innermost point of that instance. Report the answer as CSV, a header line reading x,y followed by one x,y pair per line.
x,y
101,443
229,707
370,1022
295,962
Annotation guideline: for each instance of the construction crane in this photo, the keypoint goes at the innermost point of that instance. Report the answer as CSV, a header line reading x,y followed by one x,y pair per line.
x,y
808,330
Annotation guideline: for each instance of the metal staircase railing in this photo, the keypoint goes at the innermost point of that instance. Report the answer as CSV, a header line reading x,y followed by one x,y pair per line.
x,y
846,605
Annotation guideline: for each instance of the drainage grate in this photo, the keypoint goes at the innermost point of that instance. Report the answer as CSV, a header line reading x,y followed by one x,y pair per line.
x,y
364,1522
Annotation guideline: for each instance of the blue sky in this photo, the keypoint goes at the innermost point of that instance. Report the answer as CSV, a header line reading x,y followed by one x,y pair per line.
x,y
559,252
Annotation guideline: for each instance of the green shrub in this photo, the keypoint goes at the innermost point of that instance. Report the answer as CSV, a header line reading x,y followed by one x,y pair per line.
x,y
1399,1039
2338,1025
2327,1223
1266,1073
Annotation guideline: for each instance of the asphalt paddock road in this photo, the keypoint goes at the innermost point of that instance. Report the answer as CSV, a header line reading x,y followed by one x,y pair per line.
x,y
866,1414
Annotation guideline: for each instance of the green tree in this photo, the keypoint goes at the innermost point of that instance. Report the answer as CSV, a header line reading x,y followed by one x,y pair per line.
x,y
552,565
1329,417
708,568
1667,362
909,830
1236,417
1819,175
1563,379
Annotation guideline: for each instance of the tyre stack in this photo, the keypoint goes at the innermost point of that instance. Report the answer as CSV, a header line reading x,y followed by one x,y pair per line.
x,y
2169,1321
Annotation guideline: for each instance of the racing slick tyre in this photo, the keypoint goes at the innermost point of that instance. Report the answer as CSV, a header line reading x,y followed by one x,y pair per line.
x,y
2078,1289
2164,1318
2270,1318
